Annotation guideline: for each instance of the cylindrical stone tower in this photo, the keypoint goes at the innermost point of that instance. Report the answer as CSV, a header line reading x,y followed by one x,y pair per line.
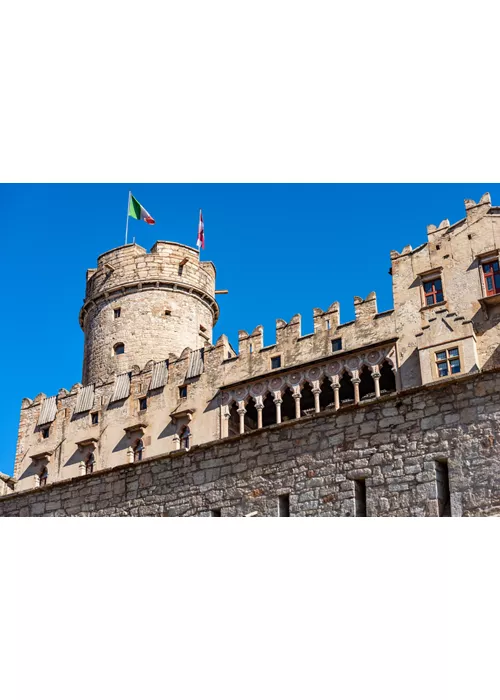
x,y
141,306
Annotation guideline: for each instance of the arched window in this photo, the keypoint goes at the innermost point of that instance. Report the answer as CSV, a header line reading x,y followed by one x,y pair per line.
x,y
138,450
119,349
185,437
90,463
387,378
366,384
43,476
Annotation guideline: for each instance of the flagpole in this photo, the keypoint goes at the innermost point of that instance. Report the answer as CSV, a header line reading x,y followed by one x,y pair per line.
x,y
128,209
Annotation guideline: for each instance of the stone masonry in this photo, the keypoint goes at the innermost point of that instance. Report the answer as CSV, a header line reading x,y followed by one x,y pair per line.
x,y
363,402
394,444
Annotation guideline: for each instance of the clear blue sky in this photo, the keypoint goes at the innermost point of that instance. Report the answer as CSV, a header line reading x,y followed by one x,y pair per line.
x,y
279,249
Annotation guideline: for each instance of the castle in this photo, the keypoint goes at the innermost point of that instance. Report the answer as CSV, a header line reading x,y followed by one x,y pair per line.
x,y
379,402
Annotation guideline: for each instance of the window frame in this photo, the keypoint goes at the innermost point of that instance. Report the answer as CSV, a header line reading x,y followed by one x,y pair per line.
x,y
336,340
447,360
94,414
431,279
121,352
117,313
276,357
140,400
183,391
490,260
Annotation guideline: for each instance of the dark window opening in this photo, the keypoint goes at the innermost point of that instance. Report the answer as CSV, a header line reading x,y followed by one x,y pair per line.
x,y
491,273
367,384
45,433
234,420
336,344
448,362
251,348
185,437
94,418
43,476
119,349
443,489
117,313
360,498
306,400
183,392
433,291
203,329
250,416
269,411
288,405
216,513
328,325
167,312
284,505
138,450
89,464
276,362
346,391
387,379
327,395
143,403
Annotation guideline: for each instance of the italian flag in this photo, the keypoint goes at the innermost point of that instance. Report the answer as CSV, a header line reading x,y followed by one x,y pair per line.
x,y
136,211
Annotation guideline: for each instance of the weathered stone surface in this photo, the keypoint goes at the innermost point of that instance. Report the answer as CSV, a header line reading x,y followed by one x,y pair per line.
x,y
399,471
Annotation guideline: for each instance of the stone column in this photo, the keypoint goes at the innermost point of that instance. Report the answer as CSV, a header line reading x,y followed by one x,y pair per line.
x,y
260,407
177,442
376,381
356,381
130,454
296,395
277,402
241,412
81,468
225,421
336,392
316,391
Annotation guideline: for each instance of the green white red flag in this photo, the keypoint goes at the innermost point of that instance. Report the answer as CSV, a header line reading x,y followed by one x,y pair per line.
x,y
137,211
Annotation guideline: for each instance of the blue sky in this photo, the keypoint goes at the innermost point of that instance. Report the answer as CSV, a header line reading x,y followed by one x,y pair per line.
x,y
278,249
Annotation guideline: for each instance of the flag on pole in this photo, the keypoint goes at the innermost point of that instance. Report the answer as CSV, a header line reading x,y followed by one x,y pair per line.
x,y
136,211
201,233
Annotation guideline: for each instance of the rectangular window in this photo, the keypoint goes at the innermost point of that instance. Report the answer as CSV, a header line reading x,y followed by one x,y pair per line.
x,y
95,418
183,392
45,433
448,362
491,274
360,498
117,313
276,362
143,403
336,344
443,489
216,513
433,291
167,312
284,505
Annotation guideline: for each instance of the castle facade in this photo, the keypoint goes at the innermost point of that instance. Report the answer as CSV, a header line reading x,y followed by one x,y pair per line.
x,y
156,387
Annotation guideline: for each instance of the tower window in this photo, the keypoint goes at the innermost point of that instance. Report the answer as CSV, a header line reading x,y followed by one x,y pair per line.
x,y
138,450
167,312
119,349
328,325
336,344
143,403
89,464
117,313
491,274
448,362
433,291
276,362
284,505
251,348
45,433
95,418
183,392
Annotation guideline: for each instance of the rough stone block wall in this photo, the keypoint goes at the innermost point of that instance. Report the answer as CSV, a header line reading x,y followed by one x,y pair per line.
x,y
393,444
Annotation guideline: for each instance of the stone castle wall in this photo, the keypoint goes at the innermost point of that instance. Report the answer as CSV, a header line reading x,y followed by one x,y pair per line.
x,y
393,444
